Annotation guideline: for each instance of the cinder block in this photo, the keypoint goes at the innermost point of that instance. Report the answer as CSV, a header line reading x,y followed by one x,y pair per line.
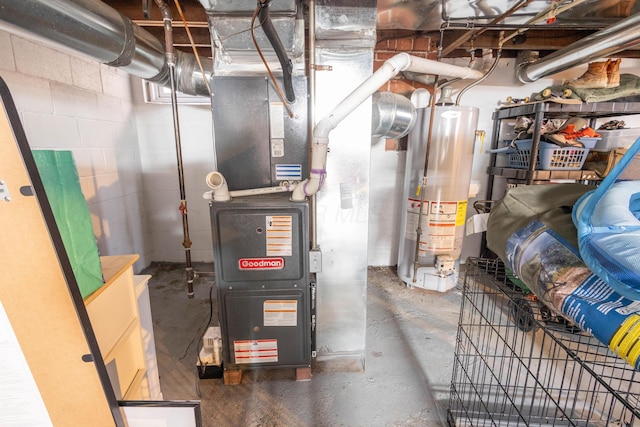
x,y
89,161
48,131
115,82
86,74
29,93
202,256
110,108
110,187
37,60
7,63
98,134
74,102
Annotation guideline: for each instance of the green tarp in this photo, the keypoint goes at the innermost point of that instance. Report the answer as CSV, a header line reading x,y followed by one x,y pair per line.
x,y
550,204
61,182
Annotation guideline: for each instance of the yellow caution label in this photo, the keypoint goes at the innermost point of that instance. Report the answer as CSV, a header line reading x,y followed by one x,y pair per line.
x,y
461,215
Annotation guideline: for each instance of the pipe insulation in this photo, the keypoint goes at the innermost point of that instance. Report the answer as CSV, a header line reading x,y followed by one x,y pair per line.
x,y
96,30
391,67
264,17
616,38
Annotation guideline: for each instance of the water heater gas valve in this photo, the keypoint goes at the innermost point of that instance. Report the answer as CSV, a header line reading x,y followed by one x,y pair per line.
x,y
445,265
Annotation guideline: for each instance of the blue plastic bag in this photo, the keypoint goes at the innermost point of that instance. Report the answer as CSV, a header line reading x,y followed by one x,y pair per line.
x,y
608,223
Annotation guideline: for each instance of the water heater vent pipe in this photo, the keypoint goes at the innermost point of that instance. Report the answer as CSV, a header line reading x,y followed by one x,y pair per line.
x,y
391,67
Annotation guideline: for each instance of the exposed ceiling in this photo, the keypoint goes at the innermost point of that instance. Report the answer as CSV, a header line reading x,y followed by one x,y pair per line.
x,y
459,25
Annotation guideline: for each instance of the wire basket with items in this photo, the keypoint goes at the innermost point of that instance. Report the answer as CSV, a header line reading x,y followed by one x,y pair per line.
x,y
564,144
550,156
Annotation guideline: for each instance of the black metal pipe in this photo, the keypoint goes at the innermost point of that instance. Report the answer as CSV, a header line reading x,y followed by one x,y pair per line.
x,y
170,58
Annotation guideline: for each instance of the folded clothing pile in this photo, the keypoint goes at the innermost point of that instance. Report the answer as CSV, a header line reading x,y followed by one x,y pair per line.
x,y
564,133
571,132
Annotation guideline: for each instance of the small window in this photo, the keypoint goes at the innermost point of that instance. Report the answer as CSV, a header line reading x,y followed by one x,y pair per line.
x,y
156,94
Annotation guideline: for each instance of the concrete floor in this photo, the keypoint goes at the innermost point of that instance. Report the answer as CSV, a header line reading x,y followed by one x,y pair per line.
x,y
405,381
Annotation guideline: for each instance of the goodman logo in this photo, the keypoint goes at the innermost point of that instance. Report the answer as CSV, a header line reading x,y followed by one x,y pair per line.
x,y
261,263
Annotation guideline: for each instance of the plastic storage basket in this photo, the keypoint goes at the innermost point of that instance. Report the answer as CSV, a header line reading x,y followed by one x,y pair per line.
x,y
616,138
550,156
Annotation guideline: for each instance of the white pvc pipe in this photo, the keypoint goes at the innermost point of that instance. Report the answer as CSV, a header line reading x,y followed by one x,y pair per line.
x,y
317,170
267,190
388,70
220,191
391,67
216,181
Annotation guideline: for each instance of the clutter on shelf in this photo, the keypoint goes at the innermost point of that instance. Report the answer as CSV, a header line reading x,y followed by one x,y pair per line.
x,y
573,132
612,124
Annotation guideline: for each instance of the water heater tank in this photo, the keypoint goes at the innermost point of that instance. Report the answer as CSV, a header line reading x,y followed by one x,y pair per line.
x,y
441,204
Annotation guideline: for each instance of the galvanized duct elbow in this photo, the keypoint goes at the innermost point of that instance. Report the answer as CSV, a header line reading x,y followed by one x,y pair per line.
x,y
94,29
621,36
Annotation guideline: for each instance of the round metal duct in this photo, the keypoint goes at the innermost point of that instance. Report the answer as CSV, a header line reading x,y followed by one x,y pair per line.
x,y
393,115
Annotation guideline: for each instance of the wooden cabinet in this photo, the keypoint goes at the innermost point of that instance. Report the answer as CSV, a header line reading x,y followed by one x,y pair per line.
x,y
115,318
148,339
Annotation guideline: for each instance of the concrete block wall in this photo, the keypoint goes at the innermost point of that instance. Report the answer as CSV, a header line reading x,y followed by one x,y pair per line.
x,y
159,163
67,102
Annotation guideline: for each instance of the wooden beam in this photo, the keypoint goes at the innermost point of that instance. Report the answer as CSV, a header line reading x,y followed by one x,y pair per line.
x,y
192,9
543,40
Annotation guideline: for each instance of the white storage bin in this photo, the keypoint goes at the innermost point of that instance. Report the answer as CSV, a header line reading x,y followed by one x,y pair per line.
x,y
617,138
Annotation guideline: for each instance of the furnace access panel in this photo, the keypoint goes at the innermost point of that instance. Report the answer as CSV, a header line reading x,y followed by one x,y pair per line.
x,y
258,144
262,274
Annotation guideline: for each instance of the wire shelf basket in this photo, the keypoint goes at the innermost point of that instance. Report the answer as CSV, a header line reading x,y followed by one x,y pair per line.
x,y
550,156
517,363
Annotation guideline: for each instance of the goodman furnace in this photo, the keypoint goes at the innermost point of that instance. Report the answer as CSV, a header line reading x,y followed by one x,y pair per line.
x,y
261,248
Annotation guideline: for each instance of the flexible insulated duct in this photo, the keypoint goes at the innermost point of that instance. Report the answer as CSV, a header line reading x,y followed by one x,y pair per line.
x,y
621,36
98,31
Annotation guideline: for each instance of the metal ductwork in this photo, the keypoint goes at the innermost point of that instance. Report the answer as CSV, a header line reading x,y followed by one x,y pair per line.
x,y
621,36
94,29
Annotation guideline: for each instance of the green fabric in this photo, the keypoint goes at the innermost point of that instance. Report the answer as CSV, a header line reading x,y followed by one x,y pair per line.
x,y
550,204
62,185
629,86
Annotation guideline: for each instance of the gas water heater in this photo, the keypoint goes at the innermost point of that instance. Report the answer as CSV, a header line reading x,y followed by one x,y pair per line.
x,y
434,211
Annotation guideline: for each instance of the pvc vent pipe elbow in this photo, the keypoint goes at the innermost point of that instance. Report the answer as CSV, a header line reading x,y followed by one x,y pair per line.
x,y
216,181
